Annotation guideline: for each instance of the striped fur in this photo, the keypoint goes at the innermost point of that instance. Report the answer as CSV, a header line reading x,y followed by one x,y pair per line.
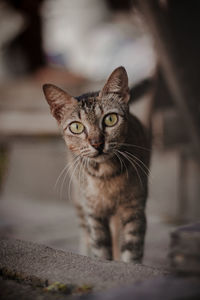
x,y
109,167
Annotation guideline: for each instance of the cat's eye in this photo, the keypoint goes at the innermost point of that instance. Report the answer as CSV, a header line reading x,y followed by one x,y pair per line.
x,y
111,120
76,127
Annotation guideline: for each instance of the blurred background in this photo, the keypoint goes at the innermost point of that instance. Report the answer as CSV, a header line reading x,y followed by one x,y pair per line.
x,y
76,45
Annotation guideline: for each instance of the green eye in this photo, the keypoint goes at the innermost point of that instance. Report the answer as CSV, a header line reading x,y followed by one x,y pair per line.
x,y
111,120
76,127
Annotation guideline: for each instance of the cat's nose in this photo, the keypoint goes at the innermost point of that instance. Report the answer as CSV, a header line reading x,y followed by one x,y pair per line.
x,y
96,143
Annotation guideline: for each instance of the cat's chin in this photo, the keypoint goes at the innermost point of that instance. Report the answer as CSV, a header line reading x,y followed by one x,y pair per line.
x,y
101,158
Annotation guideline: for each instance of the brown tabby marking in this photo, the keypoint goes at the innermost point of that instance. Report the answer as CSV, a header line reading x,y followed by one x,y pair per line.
x,y
110,158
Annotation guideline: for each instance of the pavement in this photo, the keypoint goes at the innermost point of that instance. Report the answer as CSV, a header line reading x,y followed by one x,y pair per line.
x,y
44,266
33,271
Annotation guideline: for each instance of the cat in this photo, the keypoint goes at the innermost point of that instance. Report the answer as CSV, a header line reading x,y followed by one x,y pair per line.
x,y
110,151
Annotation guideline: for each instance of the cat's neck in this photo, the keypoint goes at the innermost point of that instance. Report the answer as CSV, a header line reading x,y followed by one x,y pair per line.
x,y
104,170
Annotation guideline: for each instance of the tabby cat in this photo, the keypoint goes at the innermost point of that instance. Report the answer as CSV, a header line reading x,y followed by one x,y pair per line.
x,y
110,152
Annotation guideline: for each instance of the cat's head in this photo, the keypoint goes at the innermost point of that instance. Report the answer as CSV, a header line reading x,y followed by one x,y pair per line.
x,y
95,123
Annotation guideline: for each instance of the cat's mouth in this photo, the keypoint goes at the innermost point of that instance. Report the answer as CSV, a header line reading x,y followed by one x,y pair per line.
x,y
101,156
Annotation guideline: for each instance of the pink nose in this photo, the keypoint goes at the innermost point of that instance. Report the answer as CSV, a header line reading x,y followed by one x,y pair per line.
x,y
96,143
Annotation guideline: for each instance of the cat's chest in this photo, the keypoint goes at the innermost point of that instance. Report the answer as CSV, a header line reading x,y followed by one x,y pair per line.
x,y
104,194
109,187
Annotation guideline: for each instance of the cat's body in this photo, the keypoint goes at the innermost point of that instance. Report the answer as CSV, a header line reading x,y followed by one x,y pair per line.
x,y
110,153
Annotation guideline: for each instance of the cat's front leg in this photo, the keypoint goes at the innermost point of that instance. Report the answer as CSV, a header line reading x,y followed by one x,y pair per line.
x,y
84,232
84,248
134,226
100,237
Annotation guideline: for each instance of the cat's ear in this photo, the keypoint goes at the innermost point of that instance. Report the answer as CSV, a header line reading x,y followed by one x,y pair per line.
x,y
58,100
117,83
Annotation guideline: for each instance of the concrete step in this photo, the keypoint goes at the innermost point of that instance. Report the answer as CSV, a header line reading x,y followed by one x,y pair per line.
x,y
32,271
43,265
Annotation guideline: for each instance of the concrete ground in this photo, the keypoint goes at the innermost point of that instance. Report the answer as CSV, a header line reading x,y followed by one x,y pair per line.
x,y
43,266
33,271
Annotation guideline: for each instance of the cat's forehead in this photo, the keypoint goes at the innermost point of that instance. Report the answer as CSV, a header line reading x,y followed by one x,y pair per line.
x,y
91,107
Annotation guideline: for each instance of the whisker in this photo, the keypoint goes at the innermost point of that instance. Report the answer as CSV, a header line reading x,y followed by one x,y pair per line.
x,y
79,174
86,154
86,150
64,179
71,177
62,172
81,169
141,168
137,158
121,161
130,145
60,175
134,166
148,172
85,164
88,162
121,166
